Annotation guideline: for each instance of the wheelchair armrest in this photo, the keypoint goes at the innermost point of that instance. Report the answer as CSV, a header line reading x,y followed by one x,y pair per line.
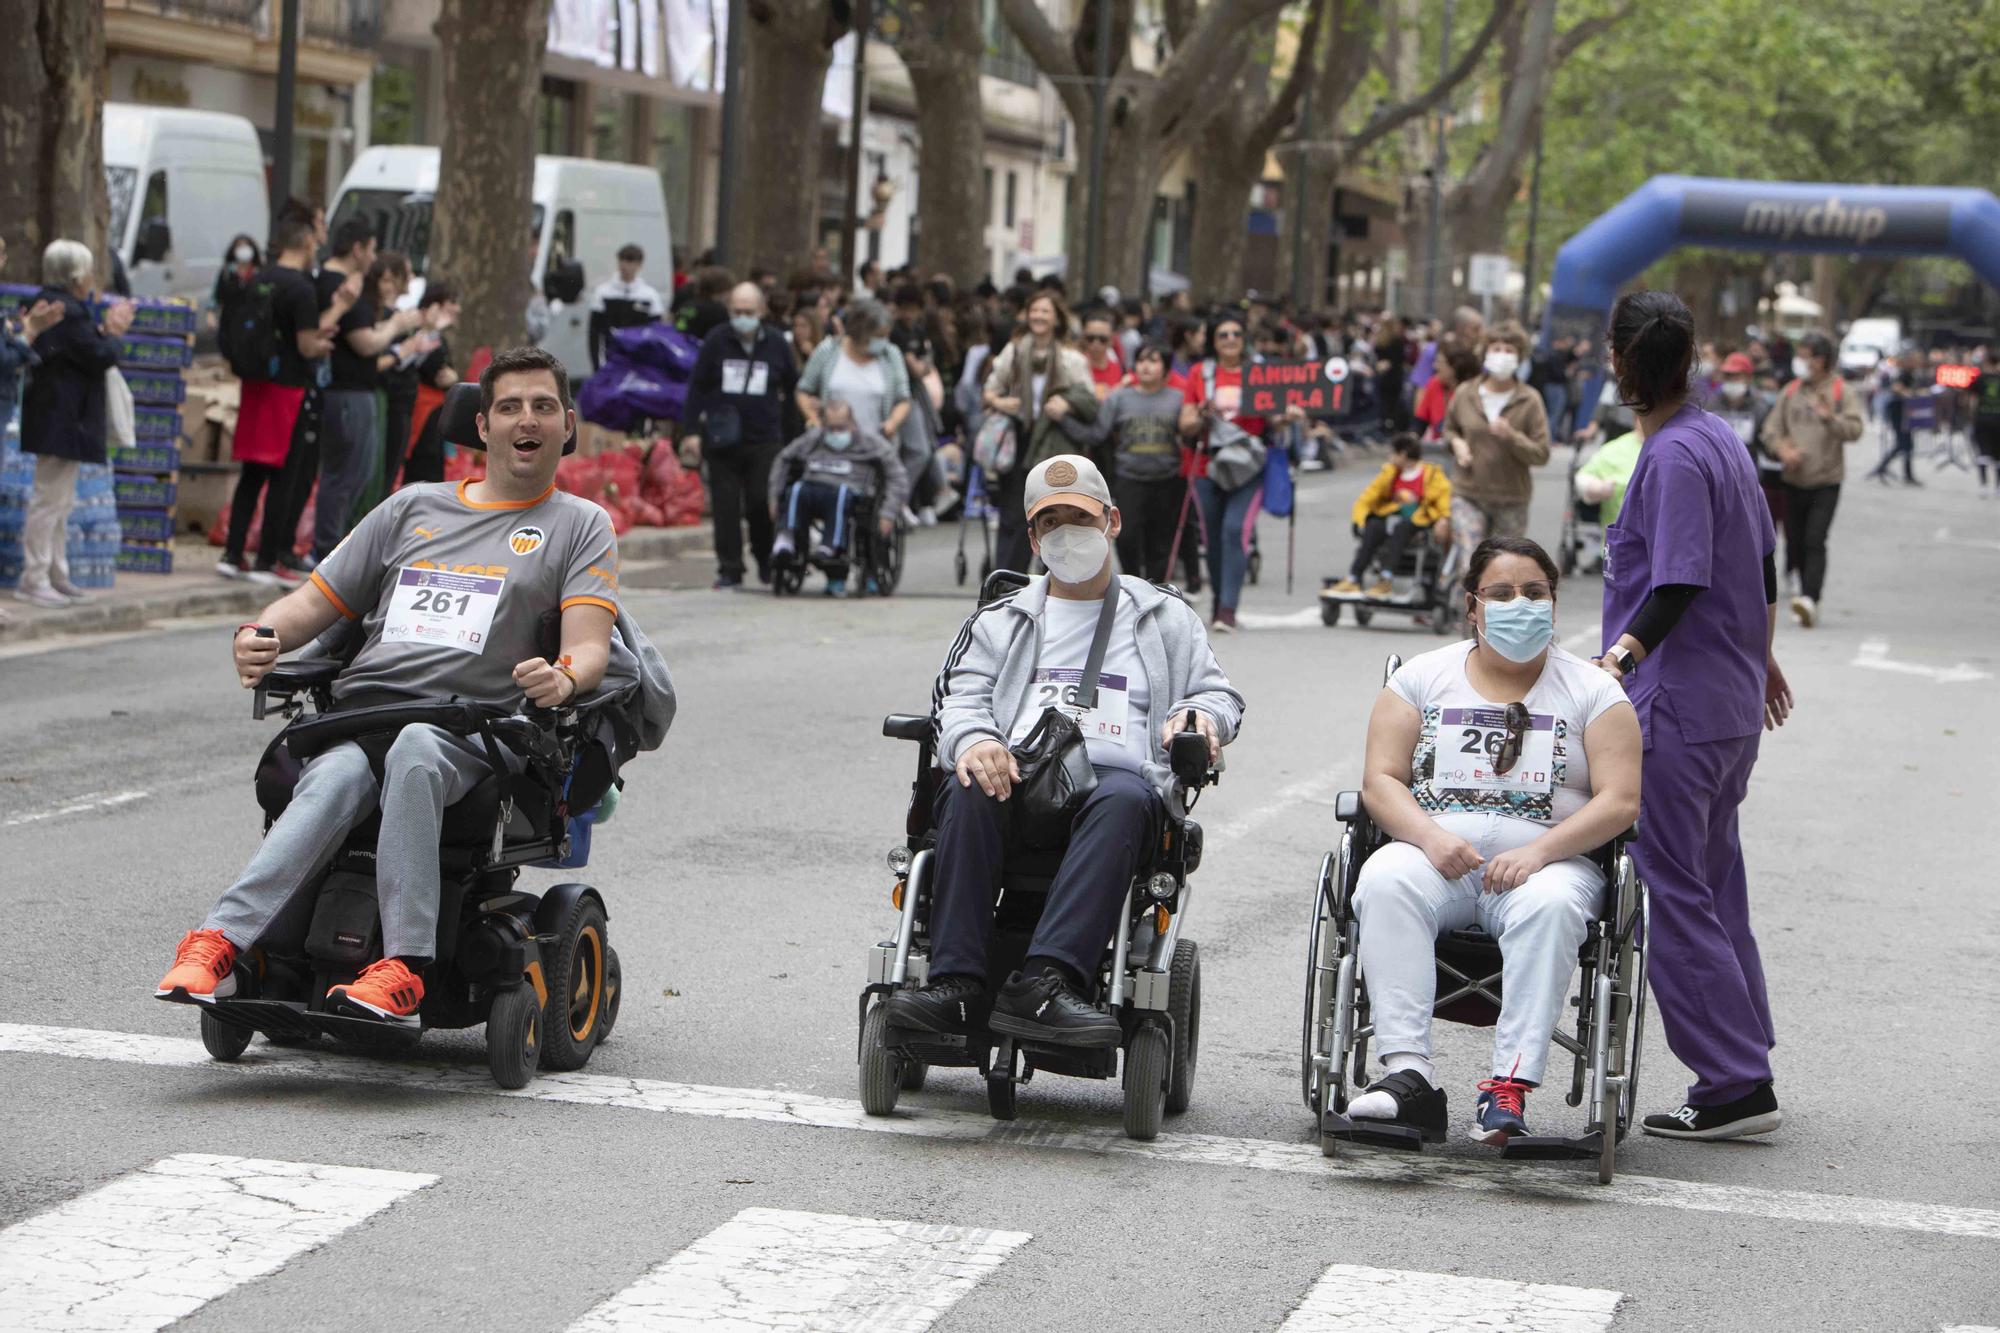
x,y
301,675
313,735
907,726
1347,807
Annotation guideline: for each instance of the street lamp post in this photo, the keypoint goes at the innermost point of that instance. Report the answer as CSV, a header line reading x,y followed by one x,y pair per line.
x,y
732,132
850,239
1094,222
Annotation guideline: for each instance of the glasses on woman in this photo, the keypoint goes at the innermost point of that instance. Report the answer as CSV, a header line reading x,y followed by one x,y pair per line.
x,y
1507,592
1097,337
1221,334
1517,722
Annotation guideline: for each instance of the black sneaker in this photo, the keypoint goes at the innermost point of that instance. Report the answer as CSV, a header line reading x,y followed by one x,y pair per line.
x,y
1412,1103
1044,1009
1755,1113
950,1006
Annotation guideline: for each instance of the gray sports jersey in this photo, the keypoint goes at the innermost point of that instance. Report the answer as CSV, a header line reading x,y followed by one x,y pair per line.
x,y
452,593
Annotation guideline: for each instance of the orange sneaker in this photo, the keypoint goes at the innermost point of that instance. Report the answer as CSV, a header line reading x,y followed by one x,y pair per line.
x,y
204,970
386,990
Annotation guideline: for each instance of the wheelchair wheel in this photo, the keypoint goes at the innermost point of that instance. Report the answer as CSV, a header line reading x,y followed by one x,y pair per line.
x,y
787,577
1566,557
1255,572
1444,618
889,562
1312,1045
1329,612
223,1041
915,1074
1146,1075
614,984
881,1069
1184,1004
959,567
1363,615
514,1036
576,972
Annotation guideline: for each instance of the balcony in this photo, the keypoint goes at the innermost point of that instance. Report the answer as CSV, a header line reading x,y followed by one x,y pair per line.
x,y
353,24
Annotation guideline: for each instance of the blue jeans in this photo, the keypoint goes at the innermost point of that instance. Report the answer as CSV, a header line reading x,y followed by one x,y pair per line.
x,y
1229,518
1555,397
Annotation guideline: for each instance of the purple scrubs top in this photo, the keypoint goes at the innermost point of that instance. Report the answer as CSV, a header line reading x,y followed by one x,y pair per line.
x,y
1694,514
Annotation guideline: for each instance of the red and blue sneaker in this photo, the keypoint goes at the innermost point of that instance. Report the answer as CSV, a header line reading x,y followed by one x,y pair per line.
x,y
1501,1111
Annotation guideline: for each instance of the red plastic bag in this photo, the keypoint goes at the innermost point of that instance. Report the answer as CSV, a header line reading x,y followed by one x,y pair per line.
x,y
673,490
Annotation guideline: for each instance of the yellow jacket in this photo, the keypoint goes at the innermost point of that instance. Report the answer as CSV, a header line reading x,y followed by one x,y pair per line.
x,y
1380,496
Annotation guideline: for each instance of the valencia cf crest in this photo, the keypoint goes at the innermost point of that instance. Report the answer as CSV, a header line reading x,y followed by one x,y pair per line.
x,y
525,541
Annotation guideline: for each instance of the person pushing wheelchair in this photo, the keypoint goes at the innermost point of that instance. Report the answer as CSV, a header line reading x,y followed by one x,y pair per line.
x,y
1014,658
452,588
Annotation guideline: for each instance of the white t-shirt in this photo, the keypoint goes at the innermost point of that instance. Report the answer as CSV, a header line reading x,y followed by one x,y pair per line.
x,y
1451,769
1115,732
1492,402
864,388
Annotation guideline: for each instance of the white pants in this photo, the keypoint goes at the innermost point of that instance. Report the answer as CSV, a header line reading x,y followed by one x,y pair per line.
x,y
45,542
1404,905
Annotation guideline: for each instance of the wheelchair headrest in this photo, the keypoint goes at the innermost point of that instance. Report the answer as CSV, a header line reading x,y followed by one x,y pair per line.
x,y
458,419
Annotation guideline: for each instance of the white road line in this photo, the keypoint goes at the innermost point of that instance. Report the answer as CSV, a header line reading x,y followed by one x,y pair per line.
x,y
770,1268
1299,619
157,1245
1558,1181
1943,536
1874,655
77,805
1352,1299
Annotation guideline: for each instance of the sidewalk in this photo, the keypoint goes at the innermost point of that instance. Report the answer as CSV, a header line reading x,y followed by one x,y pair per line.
x,y
194,589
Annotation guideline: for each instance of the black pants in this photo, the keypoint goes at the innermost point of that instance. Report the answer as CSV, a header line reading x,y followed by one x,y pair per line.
x,y
1106,845
1986,438
286,500
1377,535
252,480
1808,517
1904,448
739,482
396,438
426,460
1010,535
1148,510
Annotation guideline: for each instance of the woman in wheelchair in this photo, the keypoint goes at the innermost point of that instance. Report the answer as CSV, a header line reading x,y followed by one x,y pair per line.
x,y
1497,765
822,476
1018,658
1405,502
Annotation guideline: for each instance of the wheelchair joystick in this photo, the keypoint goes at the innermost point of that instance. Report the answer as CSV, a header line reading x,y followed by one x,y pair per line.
x,y
1187,755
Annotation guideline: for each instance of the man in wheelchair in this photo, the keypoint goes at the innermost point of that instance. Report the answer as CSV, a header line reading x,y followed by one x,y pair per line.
x,y
824,476
1497,765
1016,658
453,591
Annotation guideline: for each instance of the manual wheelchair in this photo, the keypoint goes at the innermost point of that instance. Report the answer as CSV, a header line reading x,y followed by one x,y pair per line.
x,y
1150,977
1434,597
1610,1003
874,563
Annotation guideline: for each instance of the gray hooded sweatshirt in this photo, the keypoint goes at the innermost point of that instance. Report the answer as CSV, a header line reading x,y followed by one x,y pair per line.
x,y
988,672
868,466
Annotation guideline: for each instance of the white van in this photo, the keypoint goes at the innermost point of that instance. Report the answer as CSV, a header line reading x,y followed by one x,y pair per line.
x,y
1866,342
583,212
183,184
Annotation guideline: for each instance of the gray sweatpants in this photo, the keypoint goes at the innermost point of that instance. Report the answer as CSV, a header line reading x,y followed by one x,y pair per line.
x,y
349,454
426,770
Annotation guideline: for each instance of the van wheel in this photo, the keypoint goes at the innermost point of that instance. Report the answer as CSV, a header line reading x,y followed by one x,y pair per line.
x,y
1146,1076
514,1036
224,1041
577,968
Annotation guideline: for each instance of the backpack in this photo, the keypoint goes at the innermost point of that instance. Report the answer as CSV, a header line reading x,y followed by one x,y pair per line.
x,y
1792,387
247,331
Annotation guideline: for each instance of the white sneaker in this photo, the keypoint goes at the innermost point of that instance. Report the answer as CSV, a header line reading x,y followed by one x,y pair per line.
x,y
1805,611
927,516
909,517
72,594
47,598
227,570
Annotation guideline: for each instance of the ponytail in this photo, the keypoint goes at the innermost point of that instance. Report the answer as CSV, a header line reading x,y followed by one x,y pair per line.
x,y
1652,334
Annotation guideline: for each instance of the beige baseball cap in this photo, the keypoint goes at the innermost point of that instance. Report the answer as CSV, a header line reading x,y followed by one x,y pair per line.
x,y
1067,479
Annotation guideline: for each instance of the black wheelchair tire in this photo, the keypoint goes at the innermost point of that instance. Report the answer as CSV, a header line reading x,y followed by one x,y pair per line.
x,y
614,987
915,1074
223,1041
1363,615
1255,572
1329,612
1444,619
881,1068
1184,1006
514,1036
1147,1061
1566,559
959,567
575,972
889,562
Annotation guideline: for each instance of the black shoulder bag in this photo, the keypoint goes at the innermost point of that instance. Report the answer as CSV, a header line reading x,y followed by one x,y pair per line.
x,y
1056,776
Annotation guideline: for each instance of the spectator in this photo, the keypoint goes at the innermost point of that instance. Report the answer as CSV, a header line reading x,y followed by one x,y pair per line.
x,y
1454,366
424,460
240,263
623,301
64,414
1809,428
1498,430
1027,379
1910,383
1739,404
1139,433
17,353
1549,376
742,379
700,308
276,373
1187,339
1391,365
388,281
1107,372
1985,420
869,279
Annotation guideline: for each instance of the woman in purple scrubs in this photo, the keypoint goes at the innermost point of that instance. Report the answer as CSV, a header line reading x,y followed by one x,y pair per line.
x,y
1690,608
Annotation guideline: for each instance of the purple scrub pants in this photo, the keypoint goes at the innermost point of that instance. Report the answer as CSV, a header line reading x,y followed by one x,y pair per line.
x,y
1707,977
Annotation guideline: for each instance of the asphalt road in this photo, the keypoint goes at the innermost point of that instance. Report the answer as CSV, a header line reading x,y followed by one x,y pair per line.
x,y
745,881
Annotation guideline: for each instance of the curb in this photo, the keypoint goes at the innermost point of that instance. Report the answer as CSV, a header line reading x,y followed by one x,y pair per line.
x,y
108,617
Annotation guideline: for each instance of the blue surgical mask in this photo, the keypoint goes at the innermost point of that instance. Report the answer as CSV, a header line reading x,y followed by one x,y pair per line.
x,y
878,346
838,439
745,325
1519,630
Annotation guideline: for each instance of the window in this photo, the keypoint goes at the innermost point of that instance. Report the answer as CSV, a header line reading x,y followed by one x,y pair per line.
x,y
120,182
393,105
1007,217
1005,57
555,128
155,207
562,241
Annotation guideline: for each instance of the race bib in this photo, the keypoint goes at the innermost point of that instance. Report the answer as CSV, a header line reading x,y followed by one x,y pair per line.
x,y
1468,741
751,377
1057,688
438,609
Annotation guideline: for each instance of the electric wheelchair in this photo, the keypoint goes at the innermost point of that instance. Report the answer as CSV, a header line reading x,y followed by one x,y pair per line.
x,y
874,563
1150,977
1610,1003
1434,597
1581,545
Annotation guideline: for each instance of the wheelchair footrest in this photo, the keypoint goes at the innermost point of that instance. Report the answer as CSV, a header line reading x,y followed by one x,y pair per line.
x,y
277,1018
1552,1147
360,1029
931,1047
1375,1133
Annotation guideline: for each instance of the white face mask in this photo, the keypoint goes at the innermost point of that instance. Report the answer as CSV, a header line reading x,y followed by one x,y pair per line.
x,y
1075,553
1735,390
1801,368
1502,365
243,254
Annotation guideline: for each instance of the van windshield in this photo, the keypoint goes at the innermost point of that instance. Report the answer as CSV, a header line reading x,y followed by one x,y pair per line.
x,y
121,183
402,221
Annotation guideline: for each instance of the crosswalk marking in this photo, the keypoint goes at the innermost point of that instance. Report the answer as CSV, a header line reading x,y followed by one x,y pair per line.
x,y
158,1244
771,1268
1349,1298
1558,1181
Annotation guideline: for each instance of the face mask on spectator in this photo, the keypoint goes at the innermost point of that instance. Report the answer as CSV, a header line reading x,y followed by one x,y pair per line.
x,y
1735,390
1502,365
838,439
745,325
243,254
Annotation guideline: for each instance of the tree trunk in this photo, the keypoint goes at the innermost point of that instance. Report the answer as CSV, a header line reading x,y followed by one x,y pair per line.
x,y
785,59
492,62
1131,172
1227,176
943,45
1309,205
52,133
